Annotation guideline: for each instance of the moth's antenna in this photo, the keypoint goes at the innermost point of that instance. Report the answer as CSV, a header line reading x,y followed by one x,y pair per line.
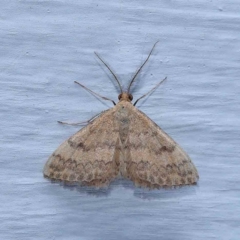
x,y
96,94
110,71
149,91
141,67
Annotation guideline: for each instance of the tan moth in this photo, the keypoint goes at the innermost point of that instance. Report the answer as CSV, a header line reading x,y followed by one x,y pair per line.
x,y
122,142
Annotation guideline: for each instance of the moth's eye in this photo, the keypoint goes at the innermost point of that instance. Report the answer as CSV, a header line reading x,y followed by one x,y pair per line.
x,y
130,97
119,96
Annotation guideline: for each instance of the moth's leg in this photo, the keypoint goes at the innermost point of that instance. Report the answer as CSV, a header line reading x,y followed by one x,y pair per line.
x,y
95,94
73,124
153,89
85,122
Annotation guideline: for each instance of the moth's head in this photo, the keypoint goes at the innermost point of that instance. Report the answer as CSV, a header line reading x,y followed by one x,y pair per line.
x,y
124,96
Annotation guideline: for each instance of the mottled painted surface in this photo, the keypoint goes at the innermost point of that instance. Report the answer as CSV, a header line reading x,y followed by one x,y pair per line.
x,y
47,45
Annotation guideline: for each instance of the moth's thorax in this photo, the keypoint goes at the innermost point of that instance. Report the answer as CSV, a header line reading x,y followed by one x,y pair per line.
x,y
123,110
123,118
125,97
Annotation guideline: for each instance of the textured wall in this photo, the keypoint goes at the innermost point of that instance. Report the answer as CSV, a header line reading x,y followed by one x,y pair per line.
x,y
46,45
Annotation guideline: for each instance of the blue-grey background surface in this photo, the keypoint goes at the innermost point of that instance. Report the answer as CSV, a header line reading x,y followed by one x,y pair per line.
x,y
46,45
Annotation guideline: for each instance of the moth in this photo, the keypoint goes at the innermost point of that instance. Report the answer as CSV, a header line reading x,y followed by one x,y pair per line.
x,y
122,142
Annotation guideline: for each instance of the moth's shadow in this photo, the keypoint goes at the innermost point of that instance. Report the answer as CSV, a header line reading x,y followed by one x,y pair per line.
x,y
162,193
142,193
